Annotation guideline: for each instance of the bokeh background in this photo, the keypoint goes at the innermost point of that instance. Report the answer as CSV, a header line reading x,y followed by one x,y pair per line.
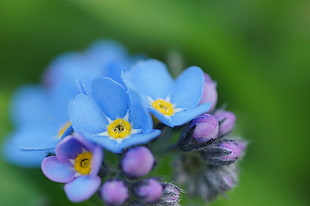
x,y
257,50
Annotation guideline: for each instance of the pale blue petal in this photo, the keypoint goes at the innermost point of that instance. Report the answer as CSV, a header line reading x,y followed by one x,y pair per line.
x,y
140,138
86,116
60,97
71,67
56,170
139,116
165,119
111,96
188,88
35,138
14,155
114,70
76,79
135,139
82,188
56,71
150,78
24,100
183,117
103,52
105,142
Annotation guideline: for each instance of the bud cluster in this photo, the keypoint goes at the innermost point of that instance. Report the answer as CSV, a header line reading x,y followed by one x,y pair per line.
x,y
207,144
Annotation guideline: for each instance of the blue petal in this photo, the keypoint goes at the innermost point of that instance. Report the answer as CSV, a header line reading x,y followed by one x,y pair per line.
x,y
140,138
80,71
114,70
86,116
35,138
135,139
105,51
139,116
68,148
105,142
82,188
188,88
24,100
165,119
150,78
56,170
111,96
60,98
183,117
14,155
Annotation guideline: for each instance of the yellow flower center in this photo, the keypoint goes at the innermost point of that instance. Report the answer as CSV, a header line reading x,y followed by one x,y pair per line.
x,y
63,129
163,107
119,129
83,163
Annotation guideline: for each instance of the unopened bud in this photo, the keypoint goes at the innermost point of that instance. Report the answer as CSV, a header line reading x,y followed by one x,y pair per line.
x,y
149,190
114,193
137,162
224,152
170,197
206,128
209,92
227,121
219,180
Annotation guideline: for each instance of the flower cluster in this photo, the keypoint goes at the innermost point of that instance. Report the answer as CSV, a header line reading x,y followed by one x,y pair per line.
x,y
99,123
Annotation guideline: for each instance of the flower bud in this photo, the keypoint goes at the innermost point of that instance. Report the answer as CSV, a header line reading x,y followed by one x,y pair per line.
x,y
228,182
137,162
114,193
171,195
219,180
149,190
206,128
224,152
235,150
209,94
227,121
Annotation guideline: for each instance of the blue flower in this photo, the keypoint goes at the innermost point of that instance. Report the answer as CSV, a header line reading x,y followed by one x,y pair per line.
x,y
77,163
40,113
173,102
112,116
38,125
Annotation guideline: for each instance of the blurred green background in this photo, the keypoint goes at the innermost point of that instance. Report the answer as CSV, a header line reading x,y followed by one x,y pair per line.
x,y
257,50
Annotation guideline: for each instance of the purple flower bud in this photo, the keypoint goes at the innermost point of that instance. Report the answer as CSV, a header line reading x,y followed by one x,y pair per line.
x,y
206,128
171,195
114,193
228,182
234,150
137,162
227,121
209,92
224,152
149,190
219,180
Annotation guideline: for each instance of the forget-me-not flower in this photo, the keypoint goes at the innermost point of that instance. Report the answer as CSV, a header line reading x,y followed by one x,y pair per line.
x,y
173,102
38,125
112,116
40,113
77,163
